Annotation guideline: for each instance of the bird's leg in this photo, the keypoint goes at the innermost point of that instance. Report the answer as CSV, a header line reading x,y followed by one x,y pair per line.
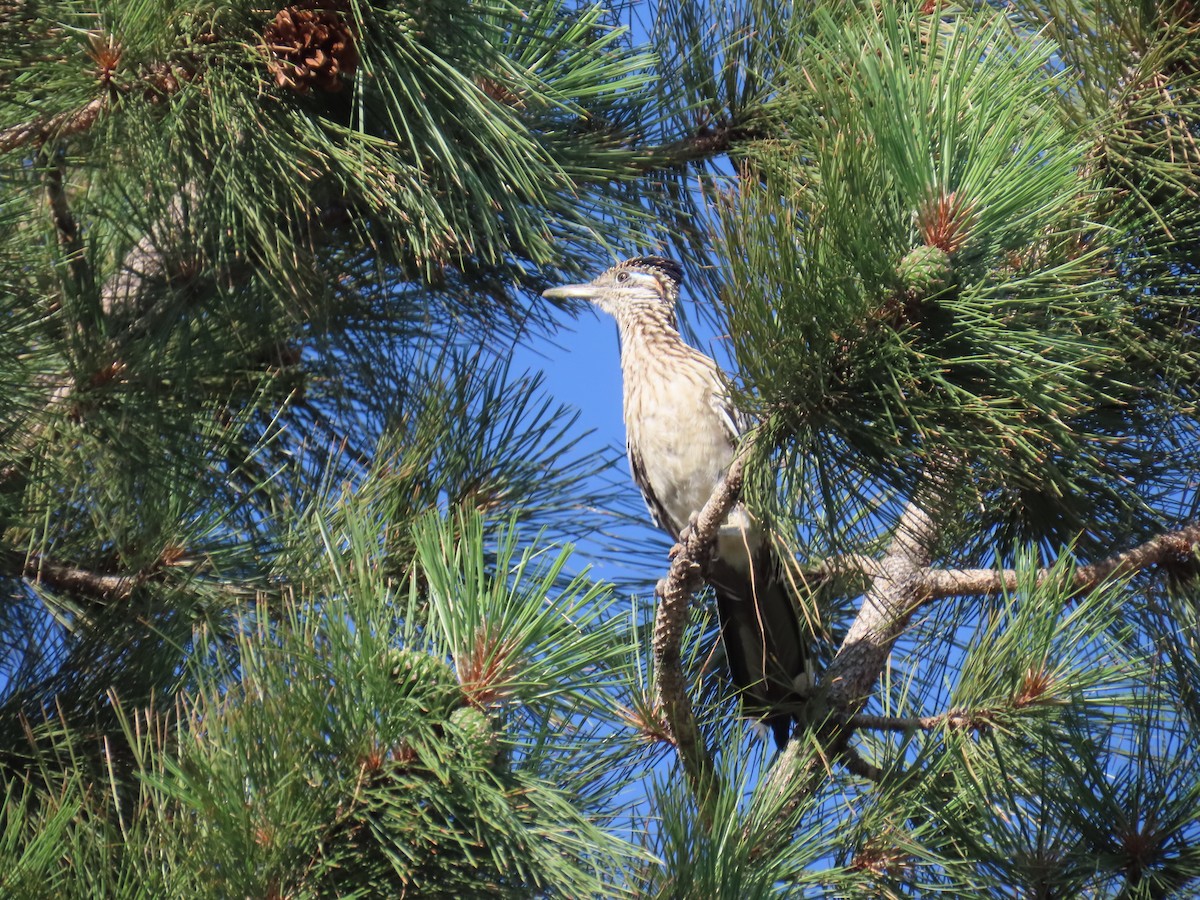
x,y
684,534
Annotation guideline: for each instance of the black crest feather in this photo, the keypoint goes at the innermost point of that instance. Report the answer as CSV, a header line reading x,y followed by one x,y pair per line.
x,y
668,267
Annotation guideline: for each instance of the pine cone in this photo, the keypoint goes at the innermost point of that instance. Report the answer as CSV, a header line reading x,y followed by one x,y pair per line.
x,y
427,677
311,45
926,271
471,730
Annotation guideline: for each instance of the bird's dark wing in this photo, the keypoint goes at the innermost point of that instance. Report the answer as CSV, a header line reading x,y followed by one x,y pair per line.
x,y
657,511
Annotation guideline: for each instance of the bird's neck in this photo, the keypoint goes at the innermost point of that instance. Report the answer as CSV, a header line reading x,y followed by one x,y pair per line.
x,y
647,335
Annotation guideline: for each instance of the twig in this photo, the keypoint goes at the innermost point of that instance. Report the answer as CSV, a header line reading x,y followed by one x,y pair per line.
x,y
64,220
705,143
856,765
1156,550
43,128
674,600
954,719
850,564
988,582
73,121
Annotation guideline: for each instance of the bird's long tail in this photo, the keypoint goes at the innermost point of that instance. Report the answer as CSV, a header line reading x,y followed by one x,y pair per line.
x,y
764,642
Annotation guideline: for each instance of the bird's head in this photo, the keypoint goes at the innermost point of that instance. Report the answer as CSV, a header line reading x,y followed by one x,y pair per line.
x,y
644,283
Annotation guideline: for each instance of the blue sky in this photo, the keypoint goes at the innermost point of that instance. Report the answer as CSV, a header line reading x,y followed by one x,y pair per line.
x,y
581,364
582,367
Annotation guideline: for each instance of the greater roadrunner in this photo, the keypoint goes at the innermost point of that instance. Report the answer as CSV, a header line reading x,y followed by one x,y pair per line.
x,y
681,430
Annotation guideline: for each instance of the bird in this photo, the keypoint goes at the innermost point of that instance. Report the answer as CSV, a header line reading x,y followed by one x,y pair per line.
x,y
682,429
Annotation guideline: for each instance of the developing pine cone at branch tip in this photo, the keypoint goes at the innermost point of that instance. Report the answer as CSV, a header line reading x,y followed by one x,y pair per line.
x,y
926,271
425,676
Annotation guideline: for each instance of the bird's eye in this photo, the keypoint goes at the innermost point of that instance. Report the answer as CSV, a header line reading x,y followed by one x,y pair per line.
x,y
623,277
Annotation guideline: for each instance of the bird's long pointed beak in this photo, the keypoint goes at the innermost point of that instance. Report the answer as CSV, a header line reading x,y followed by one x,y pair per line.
x,y
571,292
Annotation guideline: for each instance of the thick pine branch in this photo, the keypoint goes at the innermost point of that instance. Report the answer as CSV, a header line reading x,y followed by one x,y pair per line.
x,y
895,592
901,582
74,579
675,592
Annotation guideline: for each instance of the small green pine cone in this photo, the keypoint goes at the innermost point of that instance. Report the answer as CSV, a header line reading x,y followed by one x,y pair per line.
x,y
471,730
425,676
926,271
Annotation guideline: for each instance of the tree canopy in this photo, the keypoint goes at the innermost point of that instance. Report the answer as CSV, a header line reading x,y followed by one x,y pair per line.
x,y
295,561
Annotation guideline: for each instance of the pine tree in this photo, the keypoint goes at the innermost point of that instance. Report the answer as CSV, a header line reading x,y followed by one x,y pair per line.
x,y
291,604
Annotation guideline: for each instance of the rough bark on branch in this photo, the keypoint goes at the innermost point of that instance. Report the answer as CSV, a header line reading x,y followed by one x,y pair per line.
x,y
41,129
675,594
896,590
954,719
986,582
847,565
59,576
901,582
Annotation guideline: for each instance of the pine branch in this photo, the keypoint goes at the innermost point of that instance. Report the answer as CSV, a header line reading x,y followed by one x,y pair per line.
x,y
60,211
65,224
940,583
896,591
117,288
894,594
848,565
705,143
988,582
856,765
120,294
41,129
675,594
901,583
954,719
75,579
106,587
123,293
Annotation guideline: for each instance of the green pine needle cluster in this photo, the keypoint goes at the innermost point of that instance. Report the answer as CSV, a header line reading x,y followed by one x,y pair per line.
x,y
319,746
949,133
